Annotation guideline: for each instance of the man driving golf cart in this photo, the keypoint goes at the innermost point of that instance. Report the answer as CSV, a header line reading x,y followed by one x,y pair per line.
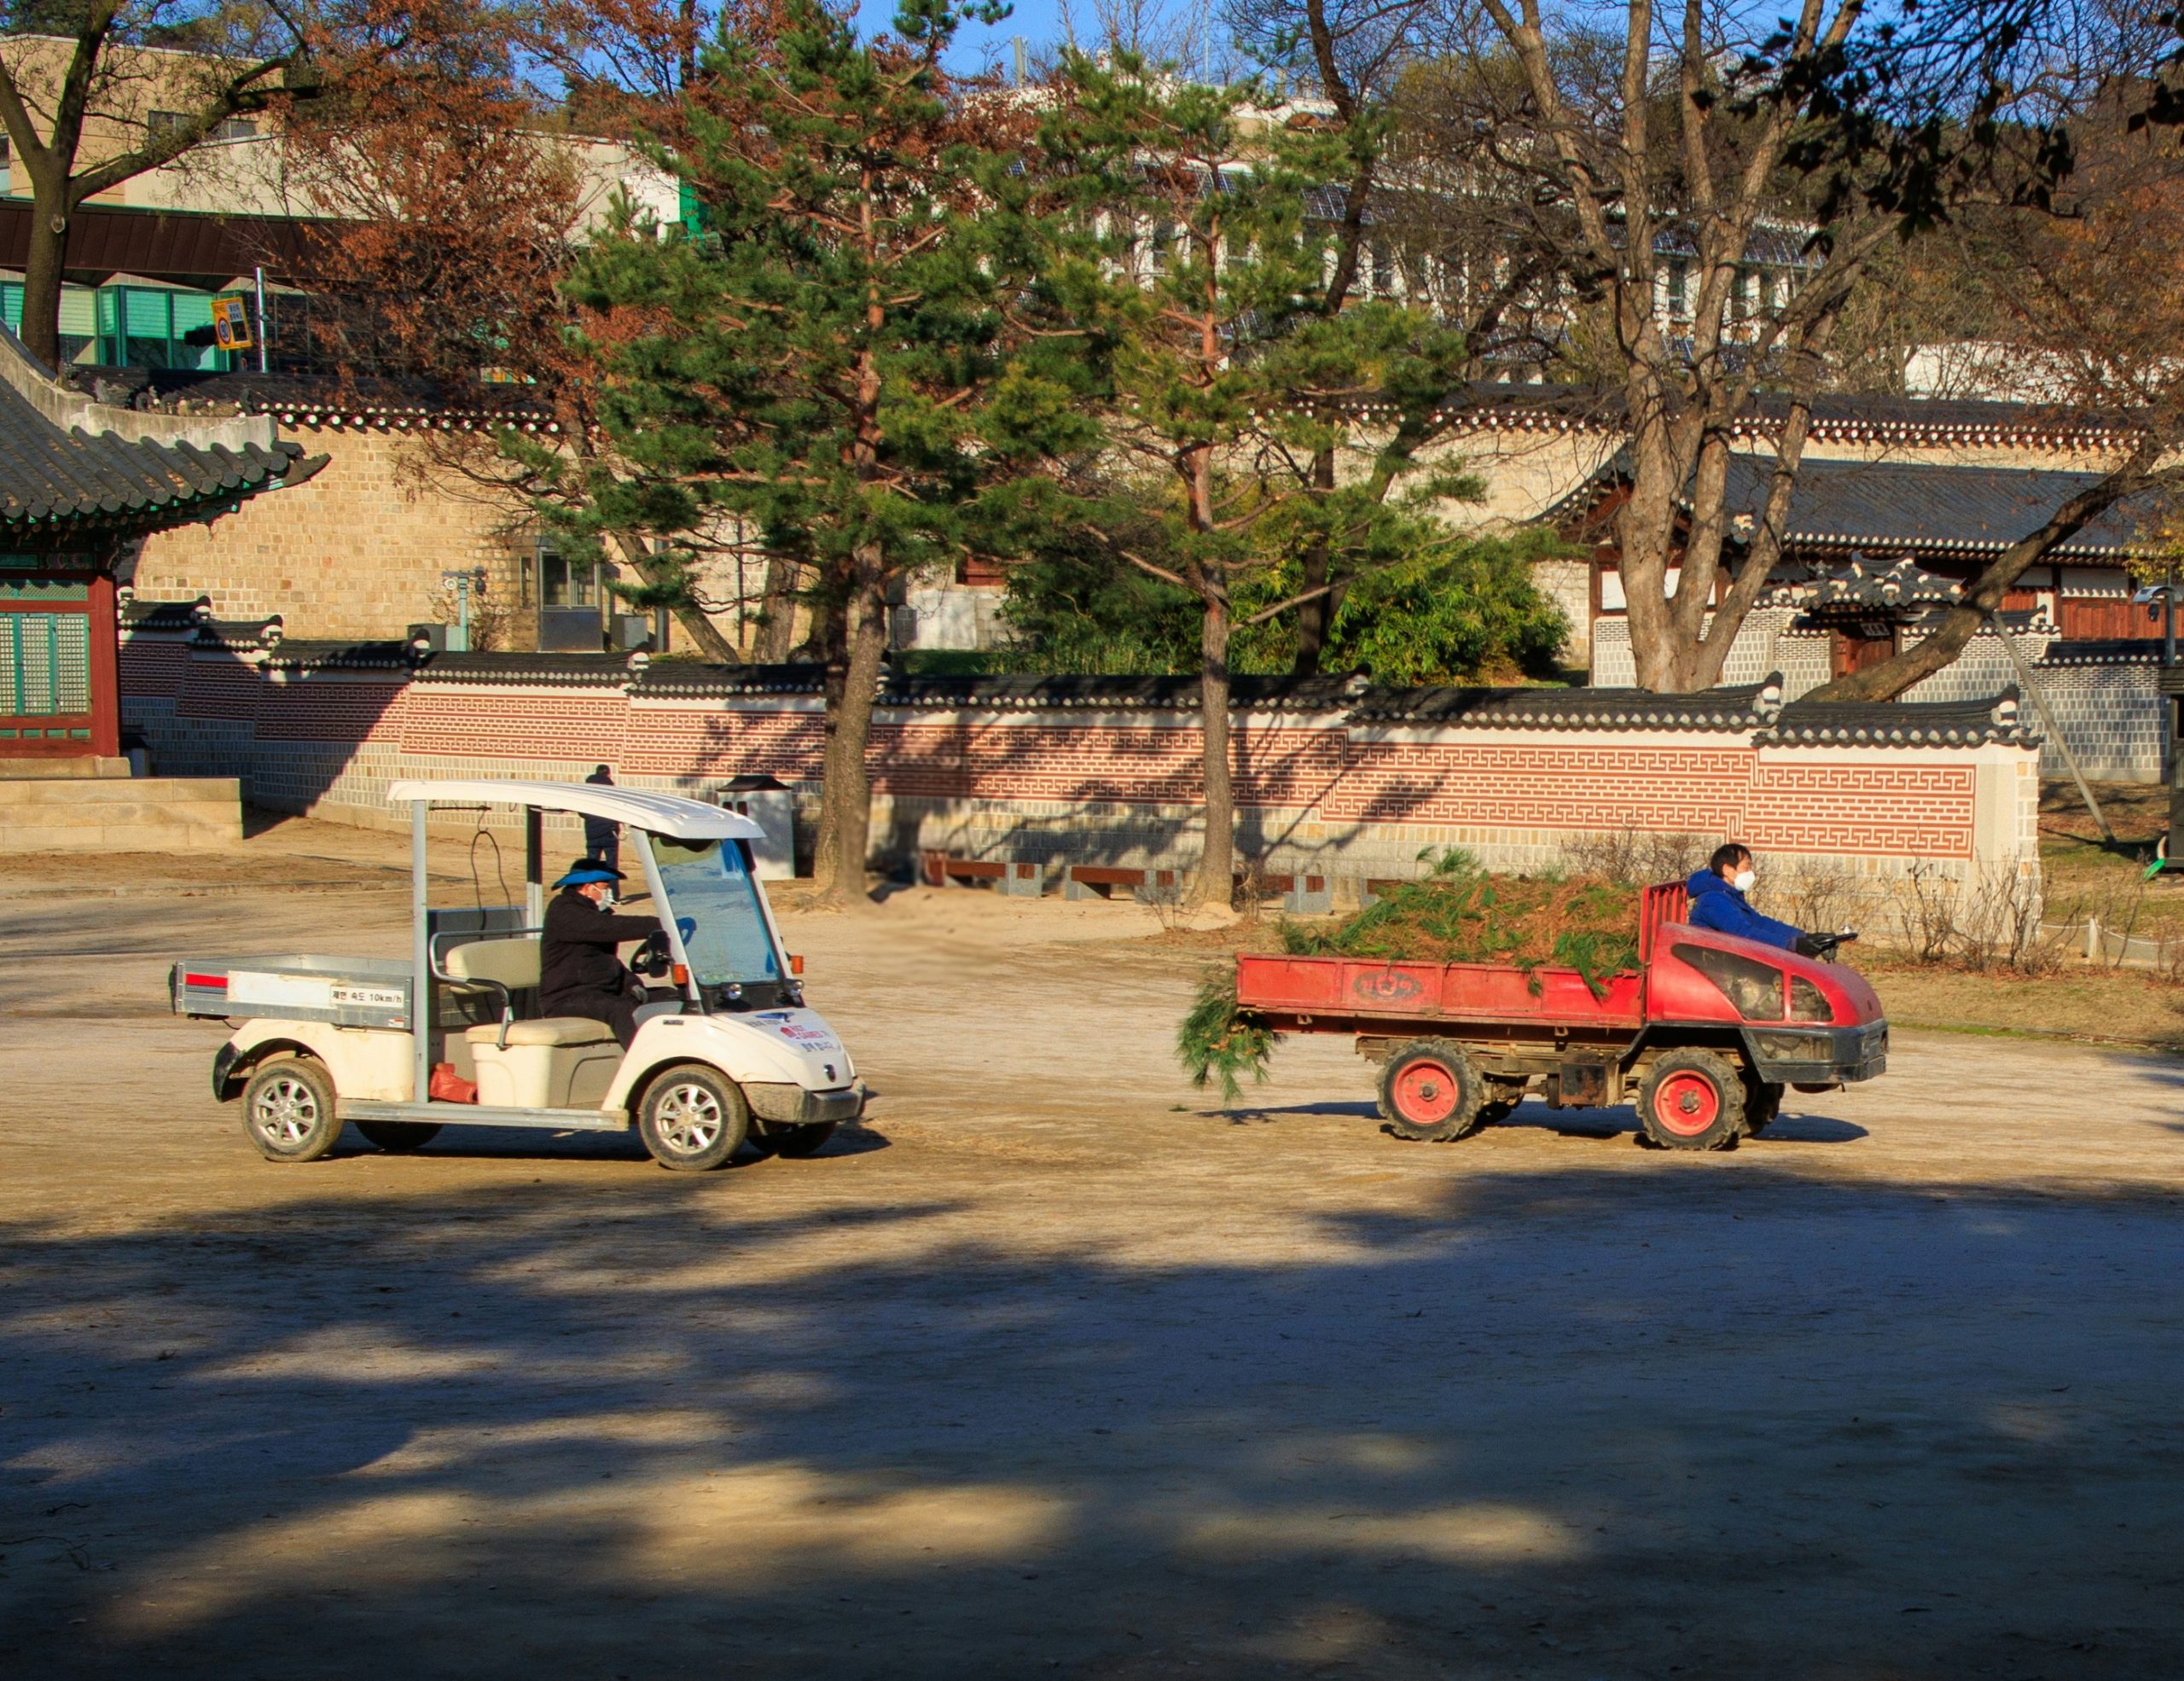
x,y
578,974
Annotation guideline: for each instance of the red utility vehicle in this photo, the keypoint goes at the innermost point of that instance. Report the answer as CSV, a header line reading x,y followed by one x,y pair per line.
x,y
1709,1030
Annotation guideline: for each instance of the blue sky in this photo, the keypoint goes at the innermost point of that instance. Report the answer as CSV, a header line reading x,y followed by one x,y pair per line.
x,y
1038,22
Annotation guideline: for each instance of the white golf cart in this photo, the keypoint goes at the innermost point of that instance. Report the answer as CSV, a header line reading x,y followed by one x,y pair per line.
x,y
726,1053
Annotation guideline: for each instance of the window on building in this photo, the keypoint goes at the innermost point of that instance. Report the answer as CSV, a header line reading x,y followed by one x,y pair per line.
x,y
1741,295
1679,288
234,128
1160,247
1384,268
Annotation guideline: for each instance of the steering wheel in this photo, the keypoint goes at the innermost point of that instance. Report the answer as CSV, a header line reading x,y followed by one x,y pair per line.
x,y
653,958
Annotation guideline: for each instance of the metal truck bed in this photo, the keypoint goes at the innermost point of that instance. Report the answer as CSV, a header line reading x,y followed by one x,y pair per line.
x,y
347,992
1343,988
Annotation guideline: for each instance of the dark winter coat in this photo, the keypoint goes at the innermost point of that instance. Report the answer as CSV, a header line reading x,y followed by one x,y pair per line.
x,y
1717,905
575,955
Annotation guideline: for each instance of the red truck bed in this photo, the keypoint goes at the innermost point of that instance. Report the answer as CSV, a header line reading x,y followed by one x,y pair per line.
x,y
1494,993
1346,986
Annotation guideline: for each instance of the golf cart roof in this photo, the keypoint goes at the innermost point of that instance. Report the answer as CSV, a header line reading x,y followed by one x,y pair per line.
x,y
667,814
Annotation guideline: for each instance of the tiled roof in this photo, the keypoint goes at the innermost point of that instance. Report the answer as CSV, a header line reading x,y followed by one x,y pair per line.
x,y
1935,510
2103,651
1837,417
1894,507
1124,694
164,616
296,654
53,481
328,399
1902,724
532,670
1742,708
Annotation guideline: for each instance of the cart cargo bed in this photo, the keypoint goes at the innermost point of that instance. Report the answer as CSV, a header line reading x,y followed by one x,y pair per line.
x,y
348,992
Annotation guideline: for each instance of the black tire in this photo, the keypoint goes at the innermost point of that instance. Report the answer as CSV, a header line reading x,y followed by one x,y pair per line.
x,y
1431,1092
795,1142
1692,1100
692,1118
399,1138
288,1110
1763,1102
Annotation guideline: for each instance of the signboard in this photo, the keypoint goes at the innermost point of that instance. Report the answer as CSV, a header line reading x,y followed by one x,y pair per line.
x,y
231,323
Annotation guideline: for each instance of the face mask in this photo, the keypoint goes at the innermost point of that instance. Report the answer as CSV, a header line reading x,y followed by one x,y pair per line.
x,y
1744,878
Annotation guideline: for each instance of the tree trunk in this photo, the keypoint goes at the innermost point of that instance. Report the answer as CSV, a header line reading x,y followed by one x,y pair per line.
x,y
1315,618
43,272
704,635
1216,869
852,691
776,613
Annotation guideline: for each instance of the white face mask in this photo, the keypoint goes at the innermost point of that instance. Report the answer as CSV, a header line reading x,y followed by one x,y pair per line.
x,y
1743,880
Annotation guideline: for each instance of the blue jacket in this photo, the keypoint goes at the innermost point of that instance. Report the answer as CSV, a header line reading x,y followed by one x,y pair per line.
x,y
1717,905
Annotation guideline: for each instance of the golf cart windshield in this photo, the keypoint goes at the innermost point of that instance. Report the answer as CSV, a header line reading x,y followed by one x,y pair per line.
x,y
715,903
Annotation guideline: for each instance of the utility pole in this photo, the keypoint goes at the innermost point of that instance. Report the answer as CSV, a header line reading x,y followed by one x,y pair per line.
x,y
263,366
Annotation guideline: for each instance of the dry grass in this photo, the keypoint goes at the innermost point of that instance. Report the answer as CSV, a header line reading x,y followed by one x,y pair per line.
x,y
2090,1004
2086,876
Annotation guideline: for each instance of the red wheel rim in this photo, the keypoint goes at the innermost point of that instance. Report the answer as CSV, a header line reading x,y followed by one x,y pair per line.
x,y
1687,1104
1426,1093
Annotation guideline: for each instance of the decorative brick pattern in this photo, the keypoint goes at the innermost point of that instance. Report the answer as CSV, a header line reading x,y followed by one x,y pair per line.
x,y
1313,793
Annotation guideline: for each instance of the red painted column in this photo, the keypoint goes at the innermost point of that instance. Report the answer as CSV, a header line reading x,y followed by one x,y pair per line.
x,y
106,668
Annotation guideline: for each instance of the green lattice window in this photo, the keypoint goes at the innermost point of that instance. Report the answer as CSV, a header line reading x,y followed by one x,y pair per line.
x,y
45,664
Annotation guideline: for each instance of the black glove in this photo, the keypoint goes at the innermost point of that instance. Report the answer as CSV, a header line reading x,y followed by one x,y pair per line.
x,y
1813,946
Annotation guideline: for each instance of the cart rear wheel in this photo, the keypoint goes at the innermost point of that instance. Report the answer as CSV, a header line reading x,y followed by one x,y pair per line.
x,y
692,1118
1692,1100
287,1109
399,1138
1763,1102
1430,1090
794,1142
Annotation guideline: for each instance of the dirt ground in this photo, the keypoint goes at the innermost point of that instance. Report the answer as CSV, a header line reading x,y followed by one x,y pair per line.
x,y
1054,1367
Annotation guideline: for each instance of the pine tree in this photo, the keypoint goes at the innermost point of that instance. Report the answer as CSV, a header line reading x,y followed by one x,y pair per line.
x,y
1201,262
828,362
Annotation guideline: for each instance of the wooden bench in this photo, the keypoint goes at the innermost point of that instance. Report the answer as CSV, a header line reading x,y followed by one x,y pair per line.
x,y
1100,880
1027,880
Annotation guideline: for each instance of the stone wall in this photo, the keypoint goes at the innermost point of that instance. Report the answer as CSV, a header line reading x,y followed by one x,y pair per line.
x,y
354,553
1322,788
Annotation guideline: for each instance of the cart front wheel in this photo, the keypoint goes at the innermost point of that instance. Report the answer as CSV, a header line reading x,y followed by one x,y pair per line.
x,y
1430,1090
1692,1100
287,1109
399,1138
693,1119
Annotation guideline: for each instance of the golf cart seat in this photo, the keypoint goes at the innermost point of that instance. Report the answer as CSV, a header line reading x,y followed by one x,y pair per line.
x,y
508,967
550,1030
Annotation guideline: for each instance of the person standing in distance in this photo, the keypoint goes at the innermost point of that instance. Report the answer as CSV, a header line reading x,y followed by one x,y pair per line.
x,y
602,837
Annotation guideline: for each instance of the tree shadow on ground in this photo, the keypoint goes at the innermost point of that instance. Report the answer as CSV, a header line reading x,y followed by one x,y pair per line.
x,y
1728,1421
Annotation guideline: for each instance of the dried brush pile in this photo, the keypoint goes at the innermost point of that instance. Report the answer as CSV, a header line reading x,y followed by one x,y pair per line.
x,y
1461,915
1457,915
